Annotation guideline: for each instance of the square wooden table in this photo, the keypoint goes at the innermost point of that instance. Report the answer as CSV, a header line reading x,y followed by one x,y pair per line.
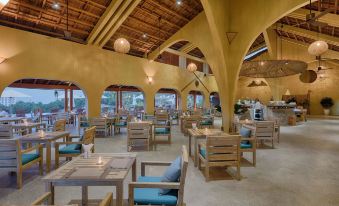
x,y
199,134
48,138
7,120
87,172
28,126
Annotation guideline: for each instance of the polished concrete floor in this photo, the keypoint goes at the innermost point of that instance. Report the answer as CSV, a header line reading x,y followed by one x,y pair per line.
x,y
302,170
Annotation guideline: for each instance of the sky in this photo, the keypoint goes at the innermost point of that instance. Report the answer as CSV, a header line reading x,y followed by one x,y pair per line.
x,y
44,95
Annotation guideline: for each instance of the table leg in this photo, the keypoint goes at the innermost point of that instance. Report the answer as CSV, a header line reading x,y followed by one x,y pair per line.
x,y
195,152
84,196
120,193
48,157
134,171
189,145
50,188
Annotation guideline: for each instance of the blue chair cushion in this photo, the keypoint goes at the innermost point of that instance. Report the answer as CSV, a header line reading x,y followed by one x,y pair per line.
x,y
207,122
84,124
120,124
172,174
71,149
27,158
162,131
152,196
245,145
203,152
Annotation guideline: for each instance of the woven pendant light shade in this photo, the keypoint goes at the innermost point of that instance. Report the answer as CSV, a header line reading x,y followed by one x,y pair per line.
x,y
272,68
191,67
121,45
308,76
317,48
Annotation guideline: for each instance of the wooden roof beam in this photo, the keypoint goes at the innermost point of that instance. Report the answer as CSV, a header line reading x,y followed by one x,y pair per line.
x,y
311,34
109,12
329,18
187,48
185,55
140,32
167,10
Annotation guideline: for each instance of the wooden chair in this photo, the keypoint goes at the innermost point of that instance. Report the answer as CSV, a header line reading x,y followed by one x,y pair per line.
x,y
73,149
121,122
83,122
188,121
207,122
102,126
277,130
6,131
162,128
45,199
59,125
264,131
146,190
220,151
248,143
13,158
138,136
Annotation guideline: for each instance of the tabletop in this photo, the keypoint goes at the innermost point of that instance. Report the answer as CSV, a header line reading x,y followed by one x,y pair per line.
x,y
27,125
114,167
8,119
48,136
204,132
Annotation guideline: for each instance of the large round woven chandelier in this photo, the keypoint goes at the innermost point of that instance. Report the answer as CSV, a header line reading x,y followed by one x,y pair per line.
x,y
121,45
317,48
272,68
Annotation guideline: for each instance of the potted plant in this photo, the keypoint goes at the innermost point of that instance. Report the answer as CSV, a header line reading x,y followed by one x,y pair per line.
x,y
326,103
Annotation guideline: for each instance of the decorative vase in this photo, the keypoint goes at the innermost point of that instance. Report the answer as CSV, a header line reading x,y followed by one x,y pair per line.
x,y
327,112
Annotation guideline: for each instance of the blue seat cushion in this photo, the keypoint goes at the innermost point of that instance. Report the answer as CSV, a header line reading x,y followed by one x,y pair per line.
x,y
172,174
84,124
207,122
245,145
152,196
245,132
203,152
162,131
27,158
71,149
120,124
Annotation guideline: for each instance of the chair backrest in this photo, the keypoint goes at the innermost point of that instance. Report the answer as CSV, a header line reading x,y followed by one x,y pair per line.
x,y
62,115
89,135
161,116
6,132
264,129
99,122
138,130
184,165
223,150
9,150
59,125
192,119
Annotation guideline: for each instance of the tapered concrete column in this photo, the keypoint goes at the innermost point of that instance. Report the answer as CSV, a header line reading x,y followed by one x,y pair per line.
x,y
94,101
149,102
184,101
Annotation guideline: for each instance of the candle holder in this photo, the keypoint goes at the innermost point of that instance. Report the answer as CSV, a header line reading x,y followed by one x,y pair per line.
x,y
100,162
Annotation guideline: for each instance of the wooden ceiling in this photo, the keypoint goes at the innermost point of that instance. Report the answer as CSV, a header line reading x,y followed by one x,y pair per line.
x,y
150,24
293,26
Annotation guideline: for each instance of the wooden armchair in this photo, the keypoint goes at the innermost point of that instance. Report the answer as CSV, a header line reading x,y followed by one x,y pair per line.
x,y
188,121
73,149
162,128
220,151
138,136
6,131
146,190
45,199
248,141
83,122
121,122
59,125
13,158
102,126
264,131
207,122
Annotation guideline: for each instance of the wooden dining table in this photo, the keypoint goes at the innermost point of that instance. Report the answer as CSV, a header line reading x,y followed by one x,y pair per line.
x,y
47,139
197,134
89,172
7,120
28,126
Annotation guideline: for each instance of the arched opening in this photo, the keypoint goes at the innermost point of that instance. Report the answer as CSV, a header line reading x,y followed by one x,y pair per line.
x,y
26,97
167,99
195,100
122,97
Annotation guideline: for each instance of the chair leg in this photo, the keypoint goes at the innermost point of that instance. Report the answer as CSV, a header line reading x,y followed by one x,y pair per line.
x,y
238,172
207,172
41,166
56,160
19,178
254,155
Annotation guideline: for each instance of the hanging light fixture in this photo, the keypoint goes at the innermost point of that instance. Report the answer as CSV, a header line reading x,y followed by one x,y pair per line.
x,y
121,45
191,67
256,83
317,48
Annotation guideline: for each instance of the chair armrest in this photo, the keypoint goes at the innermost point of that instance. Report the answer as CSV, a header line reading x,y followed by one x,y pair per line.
x,y
162,126
37,147
42,199
152,163
66,143
107,200
161,185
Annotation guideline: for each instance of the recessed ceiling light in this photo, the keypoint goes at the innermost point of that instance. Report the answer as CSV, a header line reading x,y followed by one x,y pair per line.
x,y
144,36
179,2
56,5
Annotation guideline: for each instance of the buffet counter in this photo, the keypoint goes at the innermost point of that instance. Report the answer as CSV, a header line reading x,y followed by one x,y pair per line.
x,y
281,112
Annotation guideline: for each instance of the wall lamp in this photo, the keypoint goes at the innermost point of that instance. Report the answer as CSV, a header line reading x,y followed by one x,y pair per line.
x,y
150,79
